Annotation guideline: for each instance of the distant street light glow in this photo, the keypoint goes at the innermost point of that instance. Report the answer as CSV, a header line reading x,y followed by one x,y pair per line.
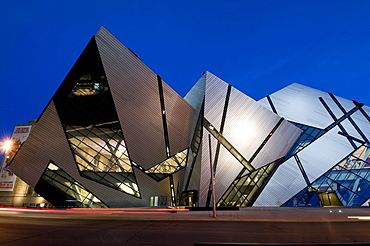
x,y
7,145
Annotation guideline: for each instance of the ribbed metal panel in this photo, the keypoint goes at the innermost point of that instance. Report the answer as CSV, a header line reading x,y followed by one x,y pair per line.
x,y
216,90
180,118
247,126
178,180
195,96
134,88
148,187
293,103
286,182
299,103
46,142
278,145
324,153
247,123
194,183
362,123
228,169
350,129
205,172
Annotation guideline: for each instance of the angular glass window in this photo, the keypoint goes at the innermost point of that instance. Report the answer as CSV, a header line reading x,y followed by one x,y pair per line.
x,y
348,181
87,112
243,191
309,135
61,190
168,166
306,198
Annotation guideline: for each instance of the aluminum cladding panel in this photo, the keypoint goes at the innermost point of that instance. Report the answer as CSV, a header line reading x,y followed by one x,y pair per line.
x,y
46,142
247,126
195,96
205,172
216,90
285,183
247,123
300,104
324,153
228,168
134,89
362,122
180,117
278,145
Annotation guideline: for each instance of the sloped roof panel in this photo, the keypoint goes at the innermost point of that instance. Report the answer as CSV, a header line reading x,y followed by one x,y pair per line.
x,y
135,92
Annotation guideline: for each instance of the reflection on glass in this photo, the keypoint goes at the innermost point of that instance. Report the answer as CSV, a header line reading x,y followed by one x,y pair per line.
x,y
349,180
71,193
243,191
168,166
309,135
87,112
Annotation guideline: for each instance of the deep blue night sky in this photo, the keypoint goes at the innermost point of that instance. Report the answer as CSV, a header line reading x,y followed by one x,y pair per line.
x,y
257,46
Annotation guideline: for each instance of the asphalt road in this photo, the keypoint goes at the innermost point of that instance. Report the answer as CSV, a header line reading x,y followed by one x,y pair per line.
x,y
127,227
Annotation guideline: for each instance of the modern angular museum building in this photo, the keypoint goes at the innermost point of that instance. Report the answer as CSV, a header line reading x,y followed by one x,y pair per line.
x,y
116,135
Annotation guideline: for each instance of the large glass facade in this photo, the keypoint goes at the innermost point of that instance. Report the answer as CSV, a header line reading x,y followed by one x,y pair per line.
x,y
348,181
62,190
243,191
88,115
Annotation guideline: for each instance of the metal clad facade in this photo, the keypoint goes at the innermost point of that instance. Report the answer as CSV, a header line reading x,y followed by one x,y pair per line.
x,y
195,96
247,123
228,169
293,103
285,183
134,88
157,123
247,126
214,99
278,145
317,162
205,172
46,142
180,117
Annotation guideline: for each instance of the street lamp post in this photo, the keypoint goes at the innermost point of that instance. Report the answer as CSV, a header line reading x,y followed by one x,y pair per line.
x,y
212,178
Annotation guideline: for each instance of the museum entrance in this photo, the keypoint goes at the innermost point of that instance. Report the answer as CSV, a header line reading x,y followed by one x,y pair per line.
x,y
329,199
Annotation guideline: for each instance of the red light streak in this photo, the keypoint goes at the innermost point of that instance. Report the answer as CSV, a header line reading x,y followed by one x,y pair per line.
x,y
92,210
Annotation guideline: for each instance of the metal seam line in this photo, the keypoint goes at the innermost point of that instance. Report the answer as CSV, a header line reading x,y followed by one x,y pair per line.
x,y
332,125
200,142
353,138
336,120
217,154
365,114
227,145
271,104
349,117
223,119
167,143
298,161
163,113
263,144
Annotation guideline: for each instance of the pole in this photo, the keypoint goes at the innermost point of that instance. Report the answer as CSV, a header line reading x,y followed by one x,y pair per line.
x,y
212,178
